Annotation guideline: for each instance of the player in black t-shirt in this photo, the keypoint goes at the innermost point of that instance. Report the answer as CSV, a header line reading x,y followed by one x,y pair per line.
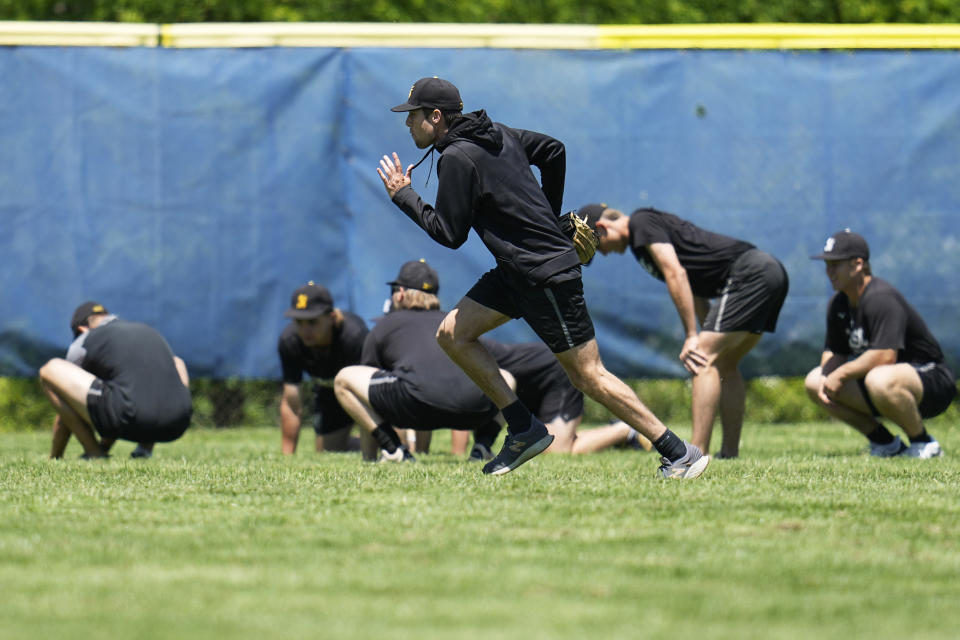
x,y
406,380
120,380
320,340
879,358
748,287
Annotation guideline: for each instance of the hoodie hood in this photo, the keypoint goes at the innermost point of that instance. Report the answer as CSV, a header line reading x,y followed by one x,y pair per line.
x,y
475,127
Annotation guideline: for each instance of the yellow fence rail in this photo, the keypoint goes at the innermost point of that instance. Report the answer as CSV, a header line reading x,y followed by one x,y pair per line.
x,y
510,36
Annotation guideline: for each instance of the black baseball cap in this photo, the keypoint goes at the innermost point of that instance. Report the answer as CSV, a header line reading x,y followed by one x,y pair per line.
x,y
83,312
844,245
417,274
309,301
590,213
432,93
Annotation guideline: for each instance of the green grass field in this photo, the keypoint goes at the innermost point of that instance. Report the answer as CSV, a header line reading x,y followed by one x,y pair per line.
x,y
218,536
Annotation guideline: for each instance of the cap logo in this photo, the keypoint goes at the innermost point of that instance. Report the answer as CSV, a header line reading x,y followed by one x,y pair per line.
x,y
97,308
426,286
412,87
828,247
302,301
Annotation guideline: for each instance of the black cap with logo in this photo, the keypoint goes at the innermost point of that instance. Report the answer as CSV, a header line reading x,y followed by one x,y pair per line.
x,y
83,312
844,245
309,301
432,93
417,274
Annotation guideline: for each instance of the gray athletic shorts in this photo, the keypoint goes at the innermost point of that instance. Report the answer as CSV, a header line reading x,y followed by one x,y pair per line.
x,y
752,297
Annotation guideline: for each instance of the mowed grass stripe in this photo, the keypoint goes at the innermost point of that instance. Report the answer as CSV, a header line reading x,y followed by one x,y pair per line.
x,y
220,536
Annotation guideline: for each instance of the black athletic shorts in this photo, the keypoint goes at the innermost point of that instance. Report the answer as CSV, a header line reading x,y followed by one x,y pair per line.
x,y
939,389
558,402
560,399
390,397
556,311
328,415
115,417
752,297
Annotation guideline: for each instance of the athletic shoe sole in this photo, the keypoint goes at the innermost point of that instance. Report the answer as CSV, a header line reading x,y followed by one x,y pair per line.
x,y
535,449
693,471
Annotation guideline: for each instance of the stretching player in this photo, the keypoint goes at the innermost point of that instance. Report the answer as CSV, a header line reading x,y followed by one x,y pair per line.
x,y
697,265
485,182
320,340
119,380
405,379
879,358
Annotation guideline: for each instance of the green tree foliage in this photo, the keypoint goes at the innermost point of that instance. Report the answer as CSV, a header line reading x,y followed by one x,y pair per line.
x,y
493,11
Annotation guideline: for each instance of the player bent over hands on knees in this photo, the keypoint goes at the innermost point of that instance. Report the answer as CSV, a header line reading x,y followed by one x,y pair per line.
x,y
405,379
749,287
320,340
879,359
119,380
544,388
485,183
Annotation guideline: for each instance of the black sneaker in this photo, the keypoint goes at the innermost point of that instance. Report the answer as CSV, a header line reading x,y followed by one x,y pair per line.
x,y
519,448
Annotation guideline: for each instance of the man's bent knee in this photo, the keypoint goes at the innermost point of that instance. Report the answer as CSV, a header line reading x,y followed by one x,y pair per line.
x,y
812,383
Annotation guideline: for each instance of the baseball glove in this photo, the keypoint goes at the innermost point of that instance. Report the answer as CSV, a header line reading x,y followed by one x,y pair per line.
x,y
584,238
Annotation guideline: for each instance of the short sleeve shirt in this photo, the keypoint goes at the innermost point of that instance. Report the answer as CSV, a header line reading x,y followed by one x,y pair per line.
x,y
882,320
321,363
706,256
404,342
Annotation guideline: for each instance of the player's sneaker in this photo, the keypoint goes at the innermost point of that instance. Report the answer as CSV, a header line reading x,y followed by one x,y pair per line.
x,y
480,453
519,448
690,466
894,448
401,454
924,450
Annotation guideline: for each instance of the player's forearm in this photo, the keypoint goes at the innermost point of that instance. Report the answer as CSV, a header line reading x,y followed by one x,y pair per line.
x,y
441,229
682,297
860,366
289,426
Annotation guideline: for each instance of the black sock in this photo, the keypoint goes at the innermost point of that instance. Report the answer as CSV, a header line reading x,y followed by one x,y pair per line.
x,y
518,417
386,437
880,435
923,437
670,446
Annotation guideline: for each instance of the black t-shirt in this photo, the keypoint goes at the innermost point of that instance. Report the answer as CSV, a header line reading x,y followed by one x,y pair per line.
x,y
534,366
882,320
135,357
706,256
404,342
321,363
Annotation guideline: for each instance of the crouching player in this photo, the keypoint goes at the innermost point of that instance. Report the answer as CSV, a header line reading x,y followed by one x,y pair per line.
x,y
119,380
879,360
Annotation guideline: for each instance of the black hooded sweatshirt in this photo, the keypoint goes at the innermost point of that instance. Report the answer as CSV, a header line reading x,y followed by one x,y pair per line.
x,y
485,182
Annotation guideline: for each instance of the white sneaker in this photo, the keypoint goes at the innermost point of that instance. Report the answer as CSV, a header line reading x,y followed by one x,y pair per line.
x,y
402,454
924,450
894,448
